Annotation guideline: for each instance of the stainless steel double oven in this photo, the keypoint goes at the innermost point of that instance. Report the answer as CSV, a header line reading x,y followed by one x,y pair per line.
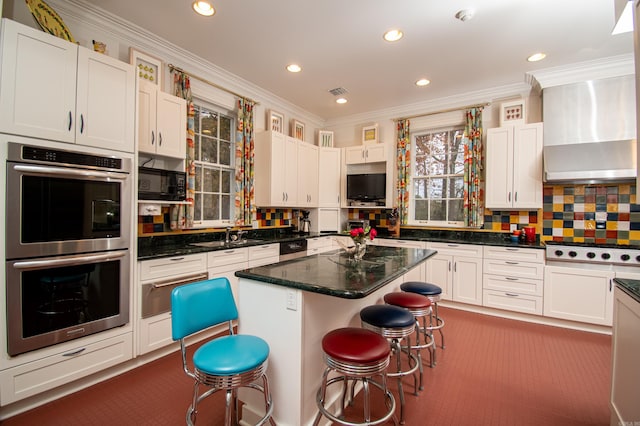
x,y
68,228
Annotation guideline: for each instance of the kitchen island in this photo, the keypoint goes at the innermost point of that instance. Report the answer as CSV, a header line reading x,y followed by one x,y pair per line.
x,y
293,304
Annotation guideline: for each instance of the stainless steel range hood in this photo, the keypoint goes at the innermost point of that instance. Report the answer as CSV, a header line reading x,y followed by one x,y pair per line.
x,y
590,131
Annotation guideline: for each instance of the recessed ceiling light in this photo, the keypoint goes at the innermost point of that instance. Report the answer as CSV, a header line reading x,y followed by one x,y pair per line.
x,y
341,101
536,57
393,35
464,15
294,68
203,8
422,82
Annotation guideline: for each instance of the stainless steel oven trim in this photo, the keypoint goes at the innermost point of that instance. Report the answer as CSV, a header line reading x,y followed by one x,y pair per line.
x,y
17,250
154,306
17,345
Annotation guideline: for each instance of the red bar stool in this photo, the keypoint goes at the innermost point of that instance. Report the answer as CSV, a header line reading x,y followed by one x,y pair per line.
x,y
396,324
355,354
420,308
433,292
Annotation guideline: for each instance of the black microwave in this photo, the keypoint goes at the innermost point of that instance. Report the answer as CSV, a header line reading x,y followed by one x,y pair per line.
x,y
163,185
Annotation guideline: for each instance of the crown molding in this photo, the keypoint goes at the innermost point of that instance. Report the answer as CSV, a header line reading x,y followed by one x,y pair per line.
x,y
434,105
614,66
130,34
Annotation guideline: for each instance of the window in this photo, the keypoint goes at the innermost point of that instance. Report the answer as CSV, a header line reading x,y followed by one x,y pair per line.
x,y
437,177
214,166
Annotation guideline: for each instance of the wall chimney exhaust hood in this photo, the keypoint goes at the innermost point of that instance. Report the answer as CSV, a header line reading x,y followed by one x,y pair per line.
x,y
590,131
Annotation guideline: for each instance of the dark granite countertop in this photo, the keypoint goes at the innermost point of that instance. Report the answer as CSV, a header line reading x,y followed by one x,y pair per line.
x,y
182,244
631,287
335,274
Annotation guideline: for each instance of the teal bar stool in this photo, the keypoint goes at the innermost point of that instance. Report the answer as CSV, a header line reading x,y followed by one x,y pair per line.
x,y
224,363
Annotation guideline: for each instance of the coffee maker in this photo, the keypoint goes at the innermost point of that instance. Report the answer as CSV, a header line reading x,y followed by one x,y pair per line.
x,y
305,222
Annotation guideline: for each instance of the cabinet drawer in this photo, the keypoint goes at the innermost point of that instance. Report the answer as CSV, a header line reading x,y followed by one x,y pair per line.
x,y
512,302
314,243
468,250
171,266
514,254
227,257
39,376
399,243
512,284
267,250
516,269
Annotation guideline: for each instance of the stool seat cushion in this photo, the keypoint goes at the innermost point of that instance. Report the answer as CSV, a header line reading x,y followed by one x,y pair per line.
x,y
355,345
387,316
421,287
229,355
407,300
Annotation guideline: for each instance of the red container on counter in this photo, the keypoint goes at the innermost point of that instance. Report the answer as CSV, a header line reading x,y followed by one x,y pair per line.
x,y
530,234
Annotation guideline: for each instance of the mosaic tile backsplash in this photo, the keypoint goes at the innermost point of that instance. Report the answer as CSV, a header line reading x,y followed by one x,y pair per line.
x,y
600,214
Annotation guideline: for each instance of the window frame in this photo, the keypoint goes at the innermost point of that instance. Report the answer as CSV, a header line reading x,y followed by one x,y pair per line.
x,y
412,200
199,102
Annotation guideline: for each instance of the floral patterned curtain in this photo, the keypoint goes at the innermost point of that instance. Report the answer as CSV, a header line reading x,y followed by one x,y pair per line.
x,y
473,167
182,215
403,161
245,209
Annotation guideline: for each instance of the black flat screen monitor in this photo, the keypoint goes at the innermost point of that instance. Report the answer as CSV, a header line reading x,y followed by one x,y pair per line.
x,y
366,187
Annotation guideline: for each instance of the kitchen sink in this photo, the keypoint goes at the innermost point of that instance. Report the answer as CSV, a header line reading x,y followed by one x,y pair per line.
x,y
213,244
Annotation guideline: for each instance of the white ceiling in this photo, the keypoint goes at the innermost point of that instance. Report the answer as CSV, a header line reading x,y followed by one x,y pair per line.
x,y
339,43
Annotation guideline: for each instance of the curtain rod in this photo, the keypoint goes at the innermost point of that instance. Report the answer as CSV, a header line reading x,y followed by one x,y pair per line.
x,y
442,111
173,67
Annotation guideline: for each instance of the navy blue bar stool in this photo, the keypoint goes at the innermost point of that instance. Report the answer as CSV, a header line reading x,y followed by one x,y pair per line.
x,y
420,308
355,354
224,363
433,292
396,324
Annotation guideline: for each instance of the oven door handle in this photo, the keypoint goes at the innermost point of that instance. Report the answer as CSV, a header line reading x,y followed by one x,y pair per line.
x,y
56,171
68,261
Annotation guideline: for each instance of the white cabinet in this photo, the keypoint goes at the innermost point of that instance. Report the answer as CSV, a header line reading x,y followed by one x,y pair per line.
x,y
514,167
625,376
329,177
56,90
584,295
276,170
307,175
365,154
319,245
38,376
457,269
157,278
264,254
162,122
224,263
513,279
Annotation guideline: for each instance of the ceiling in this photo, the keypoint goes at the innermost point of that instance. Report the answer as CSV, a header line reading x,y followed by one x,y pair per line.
x,y
339,43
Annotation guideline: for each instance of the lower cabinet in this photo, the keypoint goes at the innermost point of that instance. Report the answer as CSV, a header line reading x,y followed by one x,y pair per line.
x,y
513,279
264,255
457,269
579,295
319,245
416,274
225,263
47,373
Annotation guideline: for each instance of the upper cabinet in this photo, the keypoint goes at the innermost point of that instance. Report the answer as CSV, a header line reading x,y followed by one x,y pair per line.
x,y
53,89
329,182
366,153
307,175
514,167
276,170
162,122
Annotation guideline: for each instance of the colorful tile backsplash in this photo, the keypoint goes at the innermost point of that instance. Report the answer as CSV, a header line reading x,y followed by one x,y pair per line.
x,y
600,214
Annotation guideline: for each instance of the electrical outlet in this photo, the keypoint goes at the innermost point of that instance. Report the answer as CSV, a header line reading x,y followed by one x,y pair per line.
x,y
292,302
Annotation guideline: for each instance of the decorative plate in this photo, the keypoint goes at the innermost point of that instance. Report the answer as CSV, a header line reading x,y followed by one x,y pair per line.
x,y
49,20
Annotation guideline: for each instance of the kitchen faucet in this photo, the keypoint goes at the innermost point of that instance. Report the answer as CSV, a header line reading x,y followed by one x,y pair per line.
x,y
226,237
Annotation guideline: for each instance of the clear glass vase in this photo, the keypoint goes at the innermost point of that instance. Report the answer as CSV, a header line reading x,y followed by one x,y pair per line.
x,y
360,250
